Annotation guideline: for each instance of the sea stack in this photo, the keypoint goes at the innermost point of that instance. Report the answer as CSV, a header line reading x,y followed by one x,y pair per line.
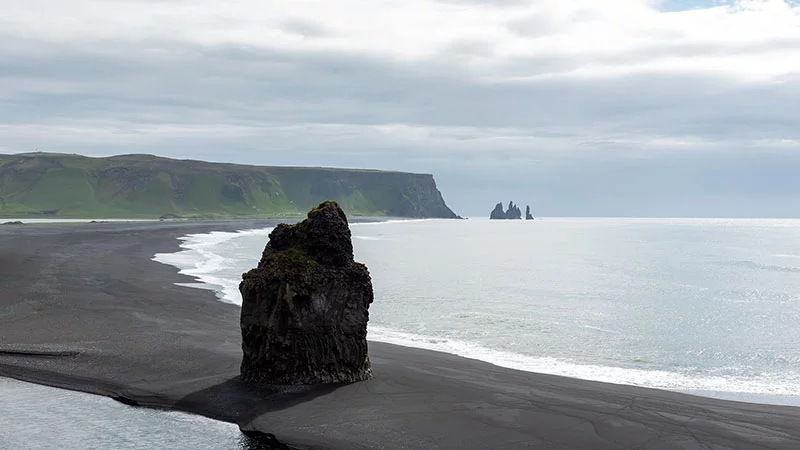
x,y
498,213
528,215
512,213
305,307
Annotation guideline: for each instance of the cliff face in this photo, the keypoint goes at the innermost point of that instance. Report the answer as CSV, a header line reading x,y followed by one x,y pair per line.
x,y
305,307
150,186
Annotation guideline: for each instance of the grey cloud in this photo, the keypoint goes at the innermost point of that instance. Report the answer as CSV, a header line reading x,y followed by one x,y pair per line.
x,y
240,85
570,145
255,84
550,63
467,48
667,48
306,28
541,23
533,25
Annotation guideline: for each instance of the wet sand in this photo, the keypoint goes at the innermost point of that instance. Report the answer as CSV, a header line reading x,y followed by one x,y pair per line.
x,y
84,307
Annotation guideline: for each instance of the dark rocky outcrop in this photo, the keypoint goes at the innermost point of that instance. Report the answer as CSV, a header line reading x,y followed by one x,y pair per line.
x,y
528,215
513,212
305,307
497,212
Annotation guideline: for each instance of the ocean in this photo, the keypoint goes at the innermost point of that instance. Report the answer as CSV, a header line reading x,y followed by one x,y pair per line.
x,y
703,306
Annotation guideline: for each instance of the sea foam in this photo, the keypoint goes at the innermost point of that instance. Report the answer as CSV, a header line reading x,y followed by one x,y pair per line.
x,y
203,257
766,384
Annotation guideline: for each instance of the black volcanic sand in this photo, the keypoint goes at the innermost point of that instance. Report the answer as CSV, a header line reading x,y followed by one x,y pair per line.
x,y
85,308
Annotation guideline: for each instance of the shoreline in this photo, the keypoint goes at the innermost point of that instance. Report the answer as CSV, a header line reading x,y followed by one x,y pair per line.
x,y
197,249
99,329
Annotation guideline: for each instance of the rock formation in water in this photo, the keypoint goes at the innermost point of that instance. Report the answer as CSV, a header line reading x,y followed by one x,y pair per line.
x,y
528,215
497,212
305,307
513,212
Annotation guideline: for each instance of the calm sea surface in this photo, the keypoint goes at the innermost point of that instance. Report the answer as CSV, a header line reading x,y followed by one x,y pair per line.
x,y
703,306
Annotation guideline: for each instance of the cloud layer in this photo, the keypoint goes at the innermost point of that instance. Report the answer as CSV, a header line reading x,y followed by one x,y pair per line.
x,y
544,100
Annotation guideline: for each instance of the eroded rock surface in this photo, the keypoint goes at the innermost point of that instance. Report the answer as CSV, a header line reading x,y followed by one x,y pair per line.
x,y
305,307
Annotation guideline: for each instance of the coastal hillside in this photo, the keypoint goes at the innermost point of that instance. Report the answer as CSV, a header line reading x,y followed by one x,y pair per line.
x,y
146,186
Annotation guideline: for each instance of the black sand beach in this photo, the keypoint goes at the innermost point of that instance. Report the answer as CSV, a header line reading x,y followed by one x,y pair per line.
x,y
84,307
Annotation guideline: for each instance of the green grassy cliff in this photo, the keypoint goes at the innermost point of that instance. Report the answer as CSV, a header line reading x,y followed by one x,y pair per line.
x,y
145,186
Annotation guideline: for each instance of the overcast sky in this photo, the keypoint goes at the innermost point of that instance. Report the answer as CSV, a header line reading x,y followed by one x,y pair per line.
x,y
577,107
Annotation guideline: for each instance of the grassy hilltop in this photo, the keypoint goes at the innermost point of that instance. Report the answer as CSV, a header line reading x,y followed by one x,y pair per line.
x,y
146,186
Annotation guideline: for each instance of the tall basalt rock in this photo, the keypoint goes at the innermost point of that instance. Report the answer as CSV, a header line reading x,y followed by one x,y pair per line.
x,y
305,307
513,211
528,215
498,213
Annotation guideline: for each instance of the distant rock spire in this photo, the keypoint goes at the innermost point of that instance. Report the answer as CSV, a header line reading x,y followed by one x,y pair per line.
x,y
528,215
513,212
497,212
